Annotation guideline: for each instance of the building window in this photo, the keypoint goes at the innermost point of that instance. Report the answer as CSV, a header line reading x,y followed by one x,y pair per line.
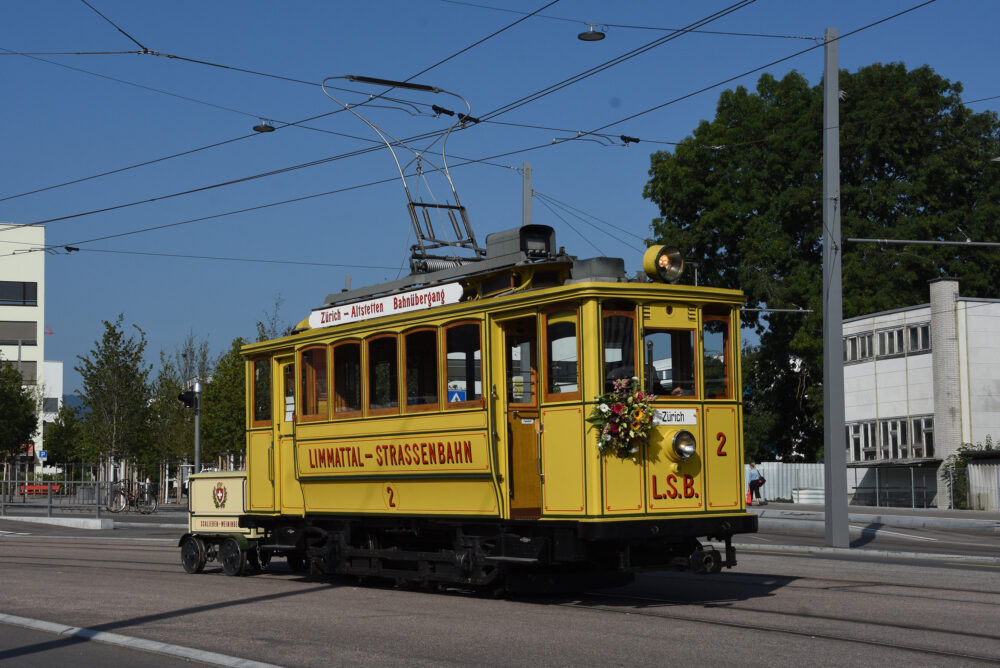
x,y
14,332
858,347
18,293
919,338
861,441
894,443
50,405
923,436
890,342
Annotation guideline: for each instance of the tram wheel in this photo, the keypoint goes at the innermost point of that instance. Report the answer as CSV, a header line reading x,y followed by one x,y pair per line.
x,y
296,562
193,555
234,559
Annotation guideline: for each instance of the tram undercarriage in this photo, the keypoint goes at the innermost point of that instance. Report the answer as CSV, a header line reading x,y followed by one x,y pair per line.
x,y
484,556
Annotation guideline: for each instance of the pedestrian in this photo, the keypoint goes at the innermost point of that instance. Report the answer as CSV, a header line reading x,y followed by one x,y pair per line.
x,y
754,482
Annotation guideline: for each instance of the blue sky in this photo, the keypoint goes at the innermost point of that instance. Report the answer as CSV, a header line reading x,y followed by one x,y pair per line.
x,y
67,117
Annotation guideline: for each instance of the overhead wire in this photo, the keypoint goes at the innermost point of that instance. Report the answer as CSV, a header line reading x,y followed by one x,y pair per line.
x,y
296,123
481,160
630,27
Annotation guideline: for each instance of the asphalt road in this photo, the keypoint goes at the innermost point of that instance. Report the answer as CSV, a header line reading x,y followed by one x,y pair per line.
x,y
776,608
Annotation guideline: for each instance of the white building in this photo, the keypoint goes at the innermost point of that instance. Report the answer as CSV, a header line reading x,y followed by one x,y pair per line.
x,y
919,382
22,315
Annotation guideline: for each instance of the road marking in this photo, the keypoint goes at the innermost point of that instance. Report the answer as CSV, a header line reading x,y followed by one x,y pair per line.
x,y
952,563
141,644
892,533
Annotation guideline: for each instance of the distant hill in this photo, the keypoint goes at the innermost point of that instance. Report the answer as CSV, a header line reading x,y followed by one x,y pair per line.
x,y
73,400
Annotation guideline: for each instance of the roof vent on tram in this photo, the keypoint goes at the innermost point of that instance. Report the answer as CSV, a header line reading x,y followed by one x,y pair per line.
x,y
607,269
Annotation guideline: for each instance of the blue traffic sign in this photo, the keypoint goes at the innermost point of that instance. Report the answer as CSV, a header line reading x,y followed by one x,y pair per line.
x,y
456,395
43,455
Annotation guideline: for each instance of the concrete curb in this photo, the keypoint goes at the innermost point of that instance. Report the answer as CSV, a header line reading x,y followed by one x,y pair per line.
x,y
855,552
91,523
153,646
775,517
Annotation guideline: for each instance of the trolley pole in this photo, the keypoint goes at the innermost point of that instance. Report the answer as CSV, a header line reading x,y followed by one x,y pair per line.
x,y
834,453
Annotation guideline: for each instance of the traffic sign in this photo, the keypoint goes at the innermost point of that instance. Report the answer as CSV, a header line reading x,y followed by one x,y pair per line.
x,y
42,455
456,395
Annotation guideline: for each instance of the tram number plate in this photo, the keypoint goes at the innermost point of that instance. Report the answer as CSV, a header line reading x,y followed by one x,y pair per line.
x,y
527,420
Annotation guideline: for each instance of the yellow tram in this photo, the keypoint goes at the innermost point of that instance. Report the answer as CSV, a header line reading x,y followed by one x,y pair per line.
x,y
517,418
448,427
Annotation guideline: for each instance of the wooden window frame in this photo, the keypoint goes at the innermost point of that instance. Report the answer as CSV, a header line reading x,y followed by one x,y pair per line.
x,y
367,393
252,377
478,402
574,310
362,371
421,408
610,311
727,355
313,417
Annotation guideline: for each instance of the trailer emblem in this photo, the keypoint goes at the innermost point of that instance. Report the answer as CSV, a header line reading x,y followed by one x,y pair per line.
x,y
220,495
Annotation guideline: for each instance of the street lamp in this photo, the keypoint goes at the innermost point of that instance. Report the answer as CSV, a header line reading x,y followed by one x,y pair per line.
x,y
591,35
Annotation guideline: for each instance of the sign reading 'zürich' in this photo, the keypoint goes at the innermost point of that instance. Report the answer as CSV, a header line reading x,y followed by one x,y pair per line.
x,y
415,300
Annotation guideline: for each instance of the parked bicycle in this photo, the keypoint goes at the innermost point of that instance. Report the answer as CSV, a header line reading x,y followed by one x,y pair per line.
x,y
122,496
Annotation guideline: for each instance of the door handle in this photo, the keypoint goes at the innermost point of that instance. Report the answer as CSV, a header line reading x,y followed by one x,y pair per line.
x,y
538,449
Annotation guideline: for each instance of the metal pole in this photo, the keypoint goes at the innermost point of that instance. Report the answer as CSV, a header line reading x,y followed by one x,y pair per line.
x,y
197,426
526,192
913,490
835,458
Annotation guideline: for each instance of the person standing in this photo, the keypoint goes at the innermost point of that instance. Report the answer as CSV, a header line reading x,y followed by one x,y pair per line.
x,y
754,481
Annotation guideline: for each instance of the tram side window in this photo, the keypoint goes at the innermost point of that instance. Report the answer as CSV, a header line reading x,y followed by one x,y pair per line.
x,y
421,370
716,362
619,346
347,379
464,361
383,375
261,392
313,390
669,362
561,361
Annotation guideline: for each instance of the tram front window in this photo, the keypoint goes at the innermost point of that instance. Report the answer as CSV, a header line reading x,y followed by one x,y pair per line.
x,y
619,347
669,362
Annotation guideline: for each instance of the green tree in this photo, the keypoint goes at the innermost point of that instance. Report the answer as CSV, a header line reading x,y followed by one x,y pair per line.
x,y
223,405
742,197
18,412
64,437
116,394
172,423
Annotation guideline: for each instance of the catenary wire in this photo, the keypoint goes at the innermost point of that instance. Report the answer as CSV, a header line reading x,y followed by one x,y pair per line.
x,y
296,123
505,154
631,27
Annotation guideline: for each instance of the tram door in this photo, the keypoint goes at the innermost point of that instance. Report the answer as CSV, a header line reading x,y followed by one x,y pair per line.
x,y
521,389
284,423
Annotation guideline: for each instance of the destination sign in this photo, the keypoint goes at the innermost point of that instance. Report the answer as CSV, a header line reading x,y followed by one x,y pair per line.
x,y
415,300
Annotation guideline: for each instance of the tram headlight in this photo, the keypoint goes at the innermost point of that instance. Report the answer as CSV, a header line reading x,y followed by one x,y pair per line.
x,y
662,263
684,444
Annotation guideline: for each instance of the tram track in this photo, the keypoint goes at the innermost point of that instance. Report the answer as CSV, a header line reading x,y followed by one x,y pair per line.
x,y
601,602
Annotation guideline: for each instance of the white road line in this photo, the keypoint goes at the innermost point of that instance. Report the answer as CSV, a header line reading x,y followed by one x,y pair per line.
x,y
892,533
119,640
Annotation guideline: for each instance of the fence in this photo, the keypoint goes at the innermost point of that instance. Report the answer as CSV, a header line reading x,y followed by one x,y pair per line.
x,y
82,497
904,487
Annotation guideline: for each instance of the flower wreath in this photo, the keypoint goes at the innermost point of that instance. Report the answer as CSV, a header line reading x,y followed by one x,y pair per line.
x,y
623,419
